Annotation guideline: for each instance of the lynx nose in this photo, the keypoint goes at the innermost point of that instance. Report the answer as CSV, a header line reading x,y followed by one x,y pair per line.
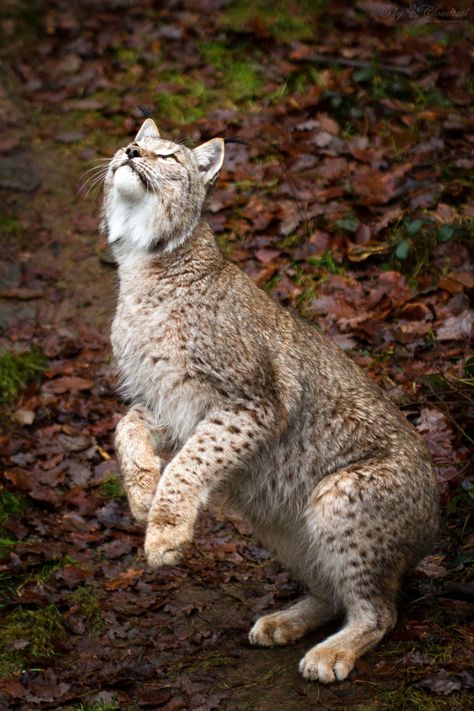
x,y
133,152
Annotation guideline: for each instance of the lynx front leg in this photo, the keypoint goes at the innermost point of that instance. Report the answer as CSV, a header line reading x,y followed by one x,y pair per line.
x,y
289,625
219,444
139,465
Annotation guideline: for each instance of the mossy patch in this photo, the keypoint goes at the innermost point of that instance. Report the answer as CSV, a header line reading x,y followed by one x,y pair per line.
x,y
40,574
239,78
187,99
224,244
11,504
17,371
28,634
111,488
282,20
412,699
326,263
381,84
415,239
89,607
10,228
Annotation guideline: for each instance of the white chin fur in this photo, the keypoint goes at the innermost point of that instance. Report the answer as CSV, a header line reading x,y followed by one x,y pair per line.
x,y
134,215
127,183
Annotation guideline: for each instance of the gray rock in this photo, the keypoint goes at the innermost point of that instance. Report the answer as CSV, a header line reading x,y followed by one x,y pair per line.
x,y
19,172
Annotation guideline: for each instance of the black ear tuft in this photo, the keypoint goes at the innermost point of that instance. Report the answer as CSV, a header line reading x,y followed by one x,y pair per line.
x,y
146,113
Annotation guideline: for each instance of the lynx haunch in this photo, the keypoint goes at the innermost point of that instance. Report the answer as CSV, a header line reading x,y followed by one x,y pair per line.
x,y
259,410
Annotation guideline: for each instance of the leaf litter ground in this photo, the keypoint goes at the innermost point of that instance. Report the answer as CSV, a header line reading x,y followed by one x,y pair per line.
x,y
351,201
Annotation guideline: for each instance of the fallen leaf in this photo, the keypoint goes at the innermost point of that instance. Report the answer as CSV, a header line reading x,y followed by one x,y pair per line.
x,y
126,579
267,254
359,253
67,384
432,566
457,328
446,683
456,282
376,187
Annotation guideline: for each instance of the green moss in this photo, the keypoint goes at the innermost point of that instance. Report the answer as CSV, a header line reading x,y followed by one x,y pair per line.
x,y
126,56
272,283
89,607
430,29
380,84
326,262
111,488
16,371
296,82
37,575
8,589
243,80
411,699
6,543
38,628
284,21
41,574
10,228
424,98
10,505
415,239
187,103
191,98
289,241
240,78
439,654
213,660
224,244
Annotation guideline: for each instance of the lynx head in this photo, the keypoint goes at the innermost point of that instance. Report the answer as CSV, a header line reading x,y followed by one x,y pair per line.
x,y
155,190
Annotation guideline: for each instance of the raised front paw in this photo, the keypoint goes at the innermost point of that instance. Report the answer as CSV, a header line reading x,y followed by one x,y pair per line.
x,y
163,544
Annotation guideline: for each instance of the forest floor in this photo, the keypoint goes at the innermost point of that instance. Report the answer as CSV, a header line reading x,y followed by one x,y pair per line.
x,y
350,200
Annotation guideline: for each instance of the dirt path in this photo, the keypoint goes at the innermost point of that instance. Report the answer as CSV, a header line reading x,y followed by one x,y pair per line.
x,y
86,626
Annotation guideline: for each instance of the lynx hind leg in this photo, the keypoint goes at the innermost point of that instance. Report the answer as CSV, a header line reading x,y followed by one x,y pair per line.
x,y
359,553
334,659
289,625
139,465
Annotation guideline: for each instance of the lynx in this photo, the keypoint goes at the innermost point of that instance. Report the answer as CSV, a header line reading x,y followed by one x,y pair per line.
x,y
259,410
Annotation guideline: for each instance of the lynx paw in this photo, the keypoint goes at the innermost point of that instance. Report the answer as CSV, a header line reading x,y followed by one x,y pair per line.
x,y
326,664
270,630
163,545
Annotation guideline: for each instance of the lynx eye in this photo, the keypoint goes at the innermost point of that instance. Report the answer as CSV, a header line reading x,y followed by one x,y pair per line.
x,y
167,157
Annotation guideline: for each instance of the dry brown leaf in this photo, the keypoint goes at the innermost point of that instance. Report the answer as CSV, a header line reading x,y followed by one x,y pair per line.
x,y
124,580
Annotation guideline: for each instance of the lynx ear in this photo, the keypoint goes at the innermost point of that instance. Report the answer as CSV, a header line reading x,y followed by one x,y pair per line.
x,y
209,158
149,129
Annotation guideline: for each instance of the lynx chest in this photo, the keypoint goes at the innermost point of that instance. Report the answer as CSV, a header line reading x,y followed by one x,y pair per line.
x,y
149,343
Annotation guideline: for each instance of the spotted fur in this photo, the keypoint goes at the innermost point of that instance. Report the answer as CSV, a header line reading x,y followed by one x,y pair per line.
x,y
260,410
